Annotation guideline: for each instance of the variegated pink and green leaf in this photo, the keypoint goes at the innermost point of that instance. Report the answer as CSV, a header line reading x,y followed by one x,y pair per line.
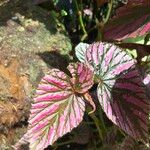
x,y
81,77
120,89
58,106
80,50
131,20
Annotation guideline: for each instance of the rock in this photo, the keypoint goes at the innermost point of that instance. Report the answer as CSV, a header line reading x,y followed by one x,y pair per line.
x,y
31,42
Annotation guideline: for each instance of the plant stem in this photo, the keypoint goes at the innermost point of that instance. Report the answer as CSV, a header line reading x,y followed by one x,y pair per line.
x,y
101,24
96,121
99,36
110,4
81,21
100,30
102,122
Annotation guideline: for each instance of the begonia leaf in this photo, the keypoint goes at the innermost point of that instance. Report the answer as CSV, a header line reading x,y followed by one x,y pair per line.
x,y
120,89
131,20
58,106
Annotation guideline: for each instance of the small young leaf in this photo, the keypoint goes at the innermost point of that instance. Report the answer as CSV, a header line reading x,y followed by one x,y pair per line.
x,y
80,50
120,89
82,77
57,107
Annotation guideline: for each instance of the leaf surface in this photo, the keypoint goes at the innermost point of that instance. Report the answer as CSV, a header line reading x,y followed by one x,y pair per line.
x,y
120,89
57,107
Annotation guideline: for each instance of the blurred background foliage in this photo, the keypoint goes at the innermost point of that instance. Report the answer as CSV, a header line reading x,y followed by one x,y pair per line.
x,y
83,19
